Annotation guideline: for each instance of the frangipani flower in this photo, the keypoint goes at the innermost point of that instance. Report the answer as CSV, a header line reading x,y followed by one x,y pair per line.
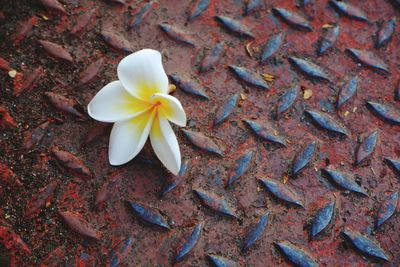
x,y
140,106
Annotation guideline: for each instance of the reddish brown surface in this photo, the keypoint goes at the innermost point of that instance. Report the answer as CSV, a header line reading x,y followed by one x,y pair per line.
x,y
142,181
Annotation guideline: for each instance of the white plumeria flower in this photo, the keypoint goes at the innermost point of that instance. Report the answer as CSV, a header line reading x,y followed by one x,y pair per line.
x,y
140,106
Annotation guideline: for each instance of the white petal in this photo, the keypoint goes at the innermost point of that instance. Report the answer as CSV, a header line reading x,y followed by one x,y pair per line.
x,y
171,108
142,74
113,103
128,138
165,145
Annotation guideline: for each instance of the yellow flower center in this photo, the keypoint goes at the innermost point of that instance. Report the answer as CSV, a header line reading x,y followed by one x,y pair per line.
x,y
158,103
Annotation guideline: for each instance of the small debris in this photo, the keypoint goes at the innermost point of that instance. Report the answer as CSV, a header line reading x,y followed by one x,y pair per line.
x,y
12,73
354,109
171,87
285,178
373,171
307,93
327,26
243,96
249,49
268,77
346,113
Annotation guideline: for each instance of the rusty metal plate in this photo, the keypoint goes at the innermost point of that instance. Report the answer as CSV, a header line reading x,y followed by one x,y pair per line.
x,y
260,81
